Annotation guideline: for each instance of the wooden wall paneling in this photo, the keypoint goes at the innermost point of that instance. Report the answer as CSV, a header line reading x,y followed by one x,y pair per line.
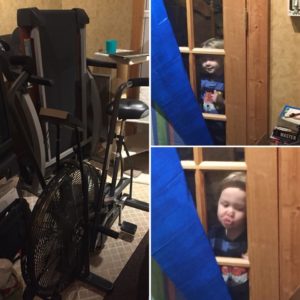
x,y
258,71
289,216
234,16
263,222
138,7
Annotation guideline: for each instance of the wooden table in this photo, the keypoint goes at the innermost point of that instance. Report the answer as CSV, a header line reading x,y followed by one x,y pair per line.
x,y
122,64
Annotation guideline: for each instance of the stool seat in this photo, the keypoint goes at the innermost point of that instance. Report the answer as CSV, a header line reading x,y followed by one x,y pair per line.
x,y
130,109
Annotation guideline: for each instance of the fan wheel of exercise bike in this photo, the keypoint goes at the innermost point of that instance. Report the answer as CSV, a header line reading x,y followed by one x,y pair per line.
x,y
55,251
96,200
93,178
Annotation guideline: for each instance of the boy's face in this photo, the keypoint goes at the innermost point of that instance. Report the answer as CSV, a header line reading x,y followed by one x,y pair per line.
x,y
212,65
232,208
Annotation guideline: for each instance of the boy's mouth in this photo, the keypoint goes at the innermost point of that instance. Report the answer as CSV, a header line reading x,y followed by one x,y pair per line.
x,y
227,221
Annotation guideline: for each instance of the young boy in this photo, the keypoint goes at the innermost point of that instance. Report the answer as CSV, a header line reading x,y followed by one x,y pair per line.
x,y
229,238
212,89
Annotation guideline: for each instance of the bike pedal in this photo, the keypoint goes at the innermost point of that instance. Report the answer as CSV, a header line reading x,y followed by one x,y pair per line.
x,y
128,227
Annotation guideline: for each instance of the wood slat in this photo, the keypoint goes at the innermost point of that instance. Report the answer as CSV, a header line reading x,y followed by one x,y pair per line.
x,y
289,215
232,261
189,165
202,51
191,44
198,154
184,49
214,117
200,188
190,23
222,165
263,222
258,70
234,16
214,165
208,51
136,42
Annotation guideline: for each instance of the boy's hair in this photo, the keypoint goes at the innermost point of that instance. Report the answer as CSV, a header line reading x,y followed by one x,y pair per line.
x,y
235,179
213,43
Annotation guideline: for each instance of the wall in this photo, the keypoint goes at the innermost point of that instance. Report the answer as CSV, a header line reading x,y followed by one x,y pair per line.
x,y
8,11
109,19
285,65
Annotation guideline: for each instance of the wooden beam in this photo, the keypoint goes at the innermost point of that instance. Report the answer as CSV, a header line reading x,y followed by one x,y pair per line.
x,y
263,222
200,188
234,15
208,51
214,165
223,165
258,49
191,44
214,117
234,262
289,216
138,7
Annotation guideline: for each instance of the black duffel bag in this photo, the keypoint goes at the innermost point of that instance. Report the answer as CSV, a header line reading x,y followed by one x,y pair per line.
x,y
13,228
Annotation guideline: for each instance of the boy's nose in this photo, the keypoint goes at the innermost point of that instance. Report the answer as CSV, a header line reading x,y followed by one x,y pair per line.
x,y
230,211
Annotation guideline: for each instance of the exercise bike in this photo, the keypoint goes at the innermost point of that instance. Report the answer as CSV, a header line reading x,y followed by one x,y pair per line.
x,y
77,207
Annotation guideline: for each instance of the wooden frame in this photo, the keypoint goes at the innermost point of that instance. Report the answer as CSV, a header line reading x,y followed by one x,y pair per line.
x,y
273,214
263,222
234,16
258,57
262,215
246,38
138,7
289,207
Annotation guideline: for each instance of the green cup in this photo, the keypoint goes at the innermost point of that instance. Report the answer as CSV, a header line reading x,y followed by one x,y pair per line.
x,y
111,46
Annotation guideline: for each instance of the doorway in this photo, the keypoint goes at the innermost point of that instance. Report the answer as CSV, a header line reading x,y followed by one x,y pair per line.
x,y
244,28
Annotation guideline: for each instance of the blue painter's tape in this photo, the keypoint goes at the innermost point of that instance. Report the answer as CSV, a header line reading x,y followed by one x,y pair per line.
x,y
170,86
179,243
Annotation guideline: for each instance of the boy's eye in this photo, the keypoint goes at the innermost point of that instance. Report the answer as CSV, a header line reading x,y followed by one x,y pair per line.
x,y
225,204
206,58
240,208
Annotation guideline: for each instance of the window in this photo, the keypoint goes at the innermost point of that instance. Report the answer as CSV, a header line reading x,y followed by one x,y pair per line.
x,y
244,114
207,167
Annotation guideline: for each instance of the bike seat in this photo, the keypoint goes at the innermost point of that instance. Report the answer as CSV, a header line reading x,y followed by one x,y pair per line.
x,y
130,109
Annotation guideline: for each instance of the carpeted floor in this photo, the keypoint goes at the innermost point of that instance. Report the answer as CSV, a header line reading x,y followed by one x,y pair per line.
x,y
133,281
